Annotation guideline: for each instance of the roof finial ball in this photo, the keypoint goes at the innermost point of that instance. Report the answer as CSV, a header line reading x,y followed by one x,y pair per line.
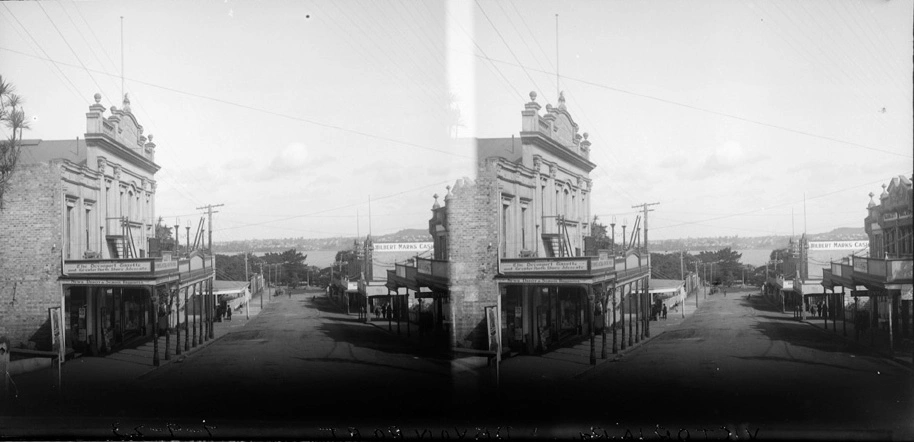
x,y
150,138
586,135
532,95
98,98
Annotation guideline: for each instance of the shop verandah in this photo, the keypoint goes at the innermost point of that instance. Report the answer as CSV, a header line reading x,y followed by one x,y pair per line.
x,y
546,304
870,300
428,308
110,305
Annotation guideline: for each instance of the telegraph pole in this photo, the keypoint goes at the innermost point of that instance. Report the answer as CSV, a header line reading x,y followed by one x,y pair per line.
x,y
247,277
209,212
647,281
696,293
264,289
644,208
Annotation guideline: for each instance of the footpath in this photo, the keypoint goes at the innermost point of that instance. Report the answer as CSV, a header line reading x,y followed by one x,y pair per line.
x,y
572,362
872,339
78,376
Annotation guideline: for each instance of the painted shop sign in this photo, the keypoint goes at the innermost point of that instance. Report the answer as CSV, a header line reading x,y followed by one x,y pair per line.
x,y
162,266
544,281
600,264
107,267
838,245
403,246
109,282
544,266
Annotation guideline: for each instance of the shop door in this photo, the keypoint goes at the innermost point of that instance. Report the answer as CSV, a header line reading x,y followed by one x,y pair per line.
x,y
512,333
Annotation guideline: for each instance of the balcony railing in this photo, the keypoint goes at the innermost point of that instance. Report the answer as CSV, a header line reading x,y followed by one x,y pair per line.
x,y
405,271
432,267
884,270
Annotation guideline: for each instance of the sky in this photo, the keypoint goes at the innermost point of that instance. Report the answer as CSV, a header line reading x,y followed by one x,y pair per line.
x,y
302,117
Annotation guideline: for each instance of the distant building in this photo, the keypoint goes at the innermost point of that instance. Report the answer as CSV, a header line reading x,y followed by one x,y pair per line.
x,y
78,223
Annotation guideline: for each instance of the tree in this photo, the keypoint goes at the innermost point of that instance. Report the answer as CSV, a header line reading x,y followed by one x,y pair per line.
x,y
13,117
669,265
726,265
163,234
292,265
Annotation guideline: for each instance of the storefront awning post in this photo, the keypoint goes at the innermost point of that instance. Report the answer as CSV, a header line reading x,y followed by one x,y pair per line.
x,y
590,303
186,328
843,312
637,311
603,318
155,326
613,294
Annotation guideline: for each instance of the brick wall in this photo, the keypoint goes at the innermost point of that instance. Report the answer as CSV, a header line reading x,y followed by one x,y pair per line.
x,y
30,242
472,212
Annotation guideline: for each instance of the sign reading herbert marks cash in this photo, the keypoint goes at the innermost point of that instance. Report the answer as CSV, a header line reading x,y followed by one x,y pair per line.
x,y
403,246
107,267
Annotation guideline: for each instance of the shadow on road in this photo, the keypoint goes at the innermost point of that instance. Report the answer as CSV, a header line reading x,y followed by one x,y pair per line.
x,y
801,334
366,336
760,303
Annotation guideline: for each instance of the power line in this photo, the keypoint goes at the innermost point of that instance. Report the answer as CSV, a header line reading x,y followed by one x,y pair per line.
x,y
75,89
766,208
68,45
709,111
265,111
336,208
502,38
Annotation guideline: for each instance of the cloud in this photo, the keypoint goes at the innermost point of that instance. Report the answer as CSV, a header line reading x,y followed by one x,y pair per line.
x,y
293,157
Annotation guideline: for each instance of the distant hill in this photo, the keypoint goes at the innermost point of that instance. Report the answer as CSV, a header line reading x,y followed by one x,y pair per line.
x,y
754,242
306,244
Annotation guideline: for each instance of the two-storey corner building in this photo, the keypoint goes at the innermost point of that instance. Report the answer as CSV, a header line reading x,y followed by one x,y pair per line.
x,y
514,241
888,273
77,224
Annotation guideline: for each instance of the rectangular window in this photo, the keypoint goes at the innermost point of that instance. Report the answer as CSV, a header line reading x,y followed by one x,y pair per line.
x,y
523,228
69,232
88,228
504,231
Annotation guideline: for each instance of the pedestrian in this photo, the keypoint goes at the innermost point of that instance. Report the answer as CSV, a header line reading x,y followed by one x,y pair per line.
x,y
812,310
664,311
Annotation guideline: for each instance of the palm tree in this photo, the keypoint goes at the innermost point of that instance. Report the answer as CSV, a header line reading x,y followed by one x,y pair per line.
x,y
13,117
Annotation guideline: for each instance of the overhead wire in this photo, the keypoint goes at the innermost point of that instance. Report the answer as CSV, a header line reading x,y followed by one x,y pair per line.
x,y
511,51
484,55
614,161
73,88
78,59
269,112
722,114
771,206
